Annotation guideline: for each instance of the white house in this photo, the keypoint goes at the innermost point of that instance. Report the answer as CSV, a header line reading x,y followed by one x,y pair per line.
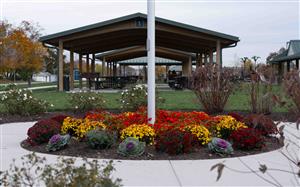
x,y
44,77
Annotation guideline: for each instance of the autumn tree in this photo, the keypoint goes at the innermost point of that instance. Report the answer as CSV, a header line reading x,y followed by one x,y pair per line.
x,y
21,52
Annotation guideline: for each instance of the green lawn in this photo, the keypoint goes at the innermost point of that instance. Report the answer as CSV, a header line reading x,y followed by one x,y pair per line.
x,y
174,100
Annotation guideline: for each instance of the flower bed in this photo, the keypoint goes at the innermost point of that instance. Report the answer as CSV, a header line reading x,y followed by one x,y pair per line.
x,y
175,135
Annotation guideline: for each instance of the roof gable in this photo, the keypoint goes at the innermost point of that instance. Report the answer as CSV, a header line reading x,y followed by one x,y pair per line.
x,y
136,16
294,47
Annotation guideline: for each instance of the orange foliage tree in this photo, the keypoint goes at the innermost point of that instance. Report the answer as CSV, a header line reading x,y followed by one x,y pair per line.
x,y
20,51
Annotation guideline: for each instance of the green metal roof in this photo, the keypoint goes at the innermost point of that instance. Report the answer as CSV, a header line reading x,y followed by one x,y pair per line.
x,y
292,53
134,16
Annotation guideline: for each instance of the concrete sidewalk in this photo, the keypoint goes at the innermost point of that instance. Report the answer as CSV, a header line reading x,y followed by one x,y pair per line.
x,y
170,172
35,88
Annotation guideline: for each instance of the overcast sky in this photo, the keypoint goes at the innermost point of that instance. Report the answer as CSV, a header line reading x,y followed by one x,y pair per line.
x,y
262,26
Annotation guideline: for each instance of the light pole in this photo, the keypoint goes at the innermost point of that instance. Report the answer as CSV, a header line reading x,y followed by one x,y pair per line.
x,y
151,60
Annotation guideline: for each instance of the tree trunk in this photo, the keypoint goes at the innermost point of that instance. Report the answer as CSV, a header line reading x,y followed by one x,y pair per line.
x,y
29,81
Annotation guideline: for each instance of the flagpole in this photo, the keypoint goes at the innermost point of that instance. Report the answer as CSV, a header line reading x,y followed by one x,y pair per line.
x,y
151,60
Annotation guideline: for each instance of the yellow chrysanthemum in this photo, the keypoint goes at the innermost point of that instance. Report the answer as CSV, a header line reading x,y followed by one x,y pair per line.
x,y
141,132
227,124
201,132
79,127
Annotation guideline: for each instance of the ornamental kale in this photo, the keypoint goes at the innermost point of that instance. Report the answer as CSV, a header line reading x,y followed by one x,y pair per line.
x,y
98,139
220,146
131,147
57,142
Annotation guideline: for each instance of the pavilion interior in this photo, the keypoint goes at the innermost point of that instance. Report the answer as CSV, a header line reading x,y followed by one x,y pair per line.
x,y
125,38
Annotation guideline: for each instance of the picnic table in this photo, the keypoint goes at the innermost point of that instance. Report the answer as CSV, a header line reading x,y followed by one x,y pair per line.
x,y
102,82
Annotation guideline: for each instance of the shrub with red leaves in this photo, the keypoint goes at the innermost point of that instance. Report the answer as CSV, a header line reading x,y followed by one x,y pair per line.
x,y
175,142
247,139
236,116
59,118
262,123
42,131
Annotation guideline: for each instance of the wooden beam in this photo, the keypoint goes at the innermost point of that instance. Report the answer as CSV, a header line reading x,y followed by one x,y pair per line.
x,y
71,70
80,70
60,66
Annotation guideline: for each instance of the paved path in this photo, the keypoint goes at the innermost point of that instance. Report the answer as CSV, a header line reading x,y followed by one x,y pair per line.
x,y
168,172
35,88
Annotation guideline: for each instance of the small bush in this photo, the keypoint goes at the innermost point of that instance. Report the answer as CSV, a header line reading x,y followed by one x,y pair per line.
x,y
85,101
59,118
236,116
247,139
144,133
262,123
22,102
35,171
42,131
135,97
175,141
220,146
212,87
58,142
292,87
261,94
131,147
97,139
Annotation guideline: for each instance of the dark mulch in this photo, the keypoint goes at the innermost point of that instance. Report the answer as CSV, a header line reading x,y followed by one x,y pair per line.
x,y
6,118
81,149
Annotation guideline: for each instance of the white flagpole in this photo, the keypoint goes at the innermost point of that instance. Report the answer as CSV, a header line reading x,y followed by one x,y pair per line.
x,y
151,59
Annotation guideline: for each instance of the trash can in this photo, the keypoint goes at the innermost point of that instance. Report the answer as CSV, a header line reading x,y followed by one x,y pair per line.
x,y
66,83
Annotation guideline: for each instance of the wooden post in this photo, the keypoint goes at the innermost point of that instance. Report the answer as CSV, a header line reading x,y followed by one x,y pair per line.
x,y
71,70
60,66
288,66
205,58
115,69
197,60
93,63
187,67
103,67
218,54
120,70
87,70
80,71
200,59
107,68
110,69
190,66
87,63
211,56
297,64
